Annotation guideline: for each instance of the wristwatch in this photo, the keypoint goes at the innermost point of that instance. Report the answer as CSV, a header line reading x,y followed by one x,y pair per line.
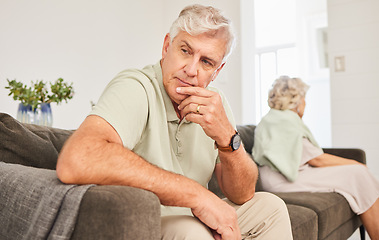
x,y
235,143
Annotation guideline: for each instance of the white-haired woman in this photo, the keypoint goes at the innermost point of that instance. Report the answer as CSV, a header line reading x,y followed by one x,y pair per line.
x,y
291,161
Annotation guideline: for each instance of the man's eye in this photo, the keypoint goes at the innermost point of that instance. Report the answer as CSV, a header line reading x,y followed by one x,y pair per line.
x,y
185,51
208,63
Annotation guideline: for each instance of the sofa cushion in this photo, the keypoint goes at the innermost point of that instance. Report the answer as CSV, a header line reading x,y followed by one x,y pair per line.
x,y
303,222
332,209
28,144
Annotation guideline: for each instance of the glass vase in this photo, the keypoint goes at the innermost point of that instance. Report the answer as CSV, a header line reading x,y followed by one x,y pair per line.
x,y
40,116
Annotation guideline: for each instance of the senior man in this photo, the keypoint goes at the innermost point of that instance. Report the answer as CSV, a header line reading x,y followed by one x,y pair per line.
x,y
163,129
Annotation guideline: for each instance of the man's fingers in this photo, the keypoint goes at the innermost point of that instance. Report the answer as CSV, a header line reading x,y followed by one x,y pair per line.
x,y
194,91
196,95
192,100
191,108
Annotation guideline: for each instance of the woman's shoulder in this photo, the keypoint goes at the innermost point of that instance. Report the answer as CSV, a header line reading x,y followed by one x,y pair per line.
x,y
280,117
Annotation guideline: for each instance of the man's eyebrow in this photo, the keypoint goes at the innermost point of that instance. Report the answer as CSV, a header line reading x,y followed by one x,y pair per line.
x,y
187,44
205,57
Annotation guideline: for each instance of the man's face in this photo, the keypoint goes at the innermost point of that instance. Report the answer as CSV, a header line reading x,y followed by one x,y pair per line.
x,y
191,61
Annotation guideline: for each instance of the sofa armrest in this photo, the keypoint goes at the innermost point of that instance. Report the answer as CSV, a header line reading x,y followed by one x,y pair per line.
x,y
29,144
351,153
118,212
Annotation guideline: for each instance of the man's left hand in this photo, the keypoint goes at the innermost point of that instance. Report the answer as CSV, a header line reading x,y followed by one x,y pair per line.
x,y
205,108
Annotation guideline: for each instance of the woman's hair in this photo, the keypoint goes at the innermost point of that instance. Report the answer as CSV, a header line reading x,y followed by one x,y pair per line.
x,y
197,19
286,93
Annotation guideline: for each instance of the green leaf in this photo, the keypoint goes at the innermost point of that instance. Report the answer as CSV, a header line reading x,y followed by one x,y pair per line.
x,y
38,92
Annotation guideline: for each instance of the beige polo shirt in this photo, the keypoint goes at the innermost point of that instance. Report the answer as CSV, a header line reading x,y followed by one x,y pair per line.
x,y
136,104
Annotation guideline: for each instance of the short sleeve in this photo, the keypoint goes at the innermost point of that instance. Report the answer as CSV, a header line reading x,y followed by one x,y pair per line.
x,y
124,105
310,151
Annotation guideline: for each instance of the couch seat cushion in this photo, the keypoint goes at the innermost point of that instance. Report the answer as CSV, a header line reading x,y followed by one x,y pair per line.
x,y
332,209
303,222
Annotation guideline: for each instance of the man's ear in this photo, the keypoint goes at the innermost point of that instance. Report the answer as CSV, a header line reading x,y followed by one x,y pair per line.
x,y
166,44
215,74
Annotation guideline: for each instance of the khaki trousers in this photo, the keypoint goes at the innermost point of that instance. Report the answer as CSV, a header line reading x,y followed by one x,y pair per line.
x,y
265,216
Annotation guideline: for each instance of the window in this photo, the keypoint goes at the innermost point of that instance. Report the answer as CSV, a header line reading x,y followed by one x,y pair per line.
x,y
276,51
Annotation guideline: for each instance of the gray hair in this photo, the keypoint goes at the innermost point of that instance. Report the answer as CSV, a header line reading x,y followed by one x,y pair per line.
x,y
197,19
286,93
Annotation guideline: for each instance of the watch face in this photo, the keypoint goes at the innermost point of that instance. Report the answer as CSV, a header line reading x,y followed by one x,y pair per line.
x,y
236,141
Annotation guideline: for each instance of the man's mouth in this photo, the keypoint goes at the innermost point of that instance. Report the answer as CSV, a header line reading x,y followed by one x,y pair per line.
x,y
183,83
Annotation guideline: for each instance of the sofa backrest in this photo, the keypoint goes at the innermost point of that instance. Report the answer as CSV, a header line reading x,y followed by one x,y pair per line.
x,y
29,144
247,136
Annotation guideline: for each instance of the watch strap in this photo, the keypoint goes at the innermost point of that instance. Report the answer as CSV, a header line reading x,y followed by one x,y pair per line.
x,y
224,149
228,148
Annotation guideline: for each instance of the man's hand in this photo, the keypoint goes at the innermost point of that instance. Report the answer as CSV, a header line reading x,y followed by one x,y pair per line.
x,y
238,174
205,108
219,216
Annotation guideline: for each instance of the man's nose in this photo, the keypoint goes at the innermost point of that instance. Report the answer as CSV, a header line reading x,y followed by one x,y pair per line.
x,y
192,67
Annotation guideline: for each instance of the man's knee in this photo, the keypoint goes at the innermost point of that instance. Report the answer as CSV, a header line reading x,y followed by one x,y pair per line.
x,y
265,215
264,206
262,201
271,200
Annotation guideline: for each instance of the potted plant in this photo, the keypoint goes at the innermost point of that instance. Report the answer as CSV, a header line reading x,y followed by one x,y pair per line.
x,y
35,100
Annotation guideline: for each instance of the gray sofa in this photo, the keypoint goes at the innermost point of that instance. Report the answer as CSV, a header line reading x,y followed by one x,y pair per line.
x,y
120,212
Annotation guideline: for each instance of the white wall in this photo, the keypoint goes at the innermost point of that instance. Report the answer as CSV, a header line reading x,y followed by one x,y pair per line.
x,y
85,42
248,86
354,35
88,42
312,15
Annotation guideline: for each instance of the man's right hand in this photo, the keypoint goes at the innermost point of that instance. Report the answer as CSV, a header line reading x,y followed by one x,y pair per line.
x,y
219,216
